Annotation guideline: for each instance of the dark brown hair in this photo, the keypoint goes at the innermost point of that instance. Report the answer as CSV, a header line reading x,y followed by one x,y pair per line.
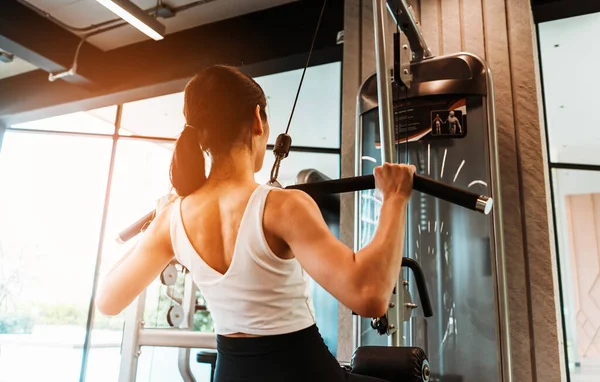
x,y
219,104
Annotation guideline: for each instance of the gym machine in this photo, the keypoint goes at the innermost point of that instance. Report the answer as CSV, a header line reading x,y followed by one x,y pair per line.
x,y
438,114
428,108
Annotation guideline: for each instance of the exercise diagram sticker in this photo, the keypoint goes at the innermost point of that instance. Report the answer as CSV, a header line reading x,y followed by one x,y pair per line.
x,y
448,123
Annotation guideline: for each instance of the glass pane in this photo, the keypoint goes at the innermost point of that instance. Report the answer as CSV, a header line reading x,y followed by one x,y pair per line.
x,y
51,200
326,307
570,52
155,117
141,176
451,244
159,364
100,121
328,164
316,120
577,211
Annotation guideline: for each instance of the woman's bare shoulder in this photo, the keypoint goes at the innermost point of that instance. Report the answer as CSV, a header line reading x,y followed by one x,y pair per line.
x,y
158,232
285,209
289,200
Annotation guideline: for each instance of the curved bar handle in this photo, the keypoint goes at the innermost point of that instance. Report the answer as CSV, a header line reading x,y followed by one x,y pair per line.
x,y
464,198
455,195
421,285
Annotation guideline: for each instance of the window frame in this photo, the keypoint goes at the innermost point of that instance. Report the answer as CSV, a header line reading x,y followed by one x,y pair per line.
x,y
546,13
325,56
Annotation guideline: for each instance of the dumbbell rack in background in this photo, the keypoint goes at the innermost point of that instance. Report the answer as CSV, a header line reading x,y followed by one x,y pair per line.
x,y
461,252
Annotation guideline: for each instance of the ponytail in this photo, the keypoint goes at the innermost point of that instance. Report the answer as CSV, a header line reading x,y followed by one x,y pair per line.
x,y
188,172
219,106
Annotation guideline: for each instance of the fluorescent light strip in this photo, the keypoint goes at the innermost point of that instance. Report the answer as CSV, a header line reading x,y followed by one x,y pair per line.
x,y
149,27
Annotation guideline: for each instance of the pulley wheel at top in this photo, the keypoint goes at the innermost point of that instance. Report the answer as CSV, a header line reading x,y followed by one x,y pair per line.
x,y
169,275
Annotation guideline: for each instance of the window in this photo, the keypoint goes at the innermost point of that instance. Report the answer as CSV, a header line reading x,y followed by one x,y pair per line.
x,y
577,214
156,117
140,177
328,164
573,144
316,121
571,103
51,204
99,121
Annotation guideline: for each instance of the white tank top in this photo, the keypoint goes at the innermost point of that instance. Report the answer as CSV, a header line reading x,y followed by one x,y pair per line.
x,y
260,294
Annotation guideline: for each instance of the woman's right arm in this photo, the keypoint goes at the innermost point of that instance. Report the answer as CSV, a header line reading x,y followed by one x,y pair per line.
x,y
362,281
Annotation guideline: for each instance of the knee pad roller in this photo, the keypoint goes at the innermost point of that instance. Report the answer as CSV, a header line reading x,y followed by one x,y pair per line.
x,y
394,364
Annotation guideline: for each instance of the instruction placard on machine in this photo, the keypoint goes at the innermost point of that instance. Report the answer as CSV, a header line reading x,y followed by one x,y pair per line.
x,y
429,119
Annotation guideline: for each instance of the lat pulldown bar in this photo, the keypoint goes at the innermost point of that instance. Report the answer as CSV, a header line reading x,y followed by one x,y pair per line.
x,y
472,201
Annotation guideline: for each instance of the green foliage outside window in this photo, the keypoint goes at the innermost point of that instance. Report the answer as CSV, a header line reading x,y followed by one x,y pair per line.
x,y
20,318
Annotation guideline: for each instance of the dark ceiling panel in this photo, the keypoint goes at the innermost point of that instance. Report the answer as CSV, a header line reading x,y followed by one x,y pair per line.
x,y
35,39
245,41
549,10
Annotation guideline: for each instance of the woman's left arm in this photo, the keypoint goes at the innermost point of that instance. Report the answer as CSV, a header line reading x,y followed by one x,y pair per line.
x,y
138,268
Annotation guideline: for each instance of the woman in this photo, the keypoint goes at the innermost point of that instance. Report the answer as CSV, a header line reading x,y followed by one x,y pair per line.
x,y
248,246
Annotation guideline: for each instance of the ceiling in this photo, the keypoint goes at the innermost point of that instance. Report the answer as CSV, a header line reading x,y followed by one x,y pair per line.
x,y
17,66
83,13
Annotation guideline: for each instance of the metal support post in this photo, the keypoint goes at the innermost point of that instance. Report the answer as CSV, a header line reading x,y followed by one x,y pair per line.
x,y
130,347
177,338
189,308
384,85
498,235
402,14
387,141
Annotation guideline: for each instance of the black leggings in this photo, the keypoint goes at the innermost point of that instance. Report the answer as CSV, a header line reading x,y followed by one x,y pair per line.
x,y
300,356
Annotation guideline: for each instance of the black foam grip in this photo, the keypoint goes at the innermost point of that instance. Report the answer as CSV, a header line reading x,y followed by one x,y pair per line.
x,y
397,76
394,364
428,186
338,186
446,192
421,285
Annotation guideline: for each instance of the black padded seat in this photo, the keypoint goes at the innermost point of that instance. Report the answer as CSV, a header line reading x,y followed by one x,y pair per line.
x,y
394,364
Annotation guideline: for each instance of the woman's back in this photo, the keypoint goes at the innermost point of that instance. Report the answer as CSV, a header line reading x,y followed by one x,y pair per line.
x,y
219,236
248,246
212,217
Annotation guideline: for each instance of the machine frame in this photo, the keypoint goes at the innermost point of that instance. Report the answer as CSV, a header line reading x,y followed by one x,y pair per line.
x,y
422,84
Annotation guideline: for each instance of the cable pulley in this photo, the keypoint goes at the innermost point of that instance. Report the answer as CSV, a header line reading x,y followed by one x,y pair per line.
x,y
284,140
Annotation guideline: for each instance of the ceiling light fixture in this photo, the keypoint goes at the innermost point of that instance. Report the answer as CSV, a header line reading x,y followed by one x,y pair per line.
x,y
136,16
